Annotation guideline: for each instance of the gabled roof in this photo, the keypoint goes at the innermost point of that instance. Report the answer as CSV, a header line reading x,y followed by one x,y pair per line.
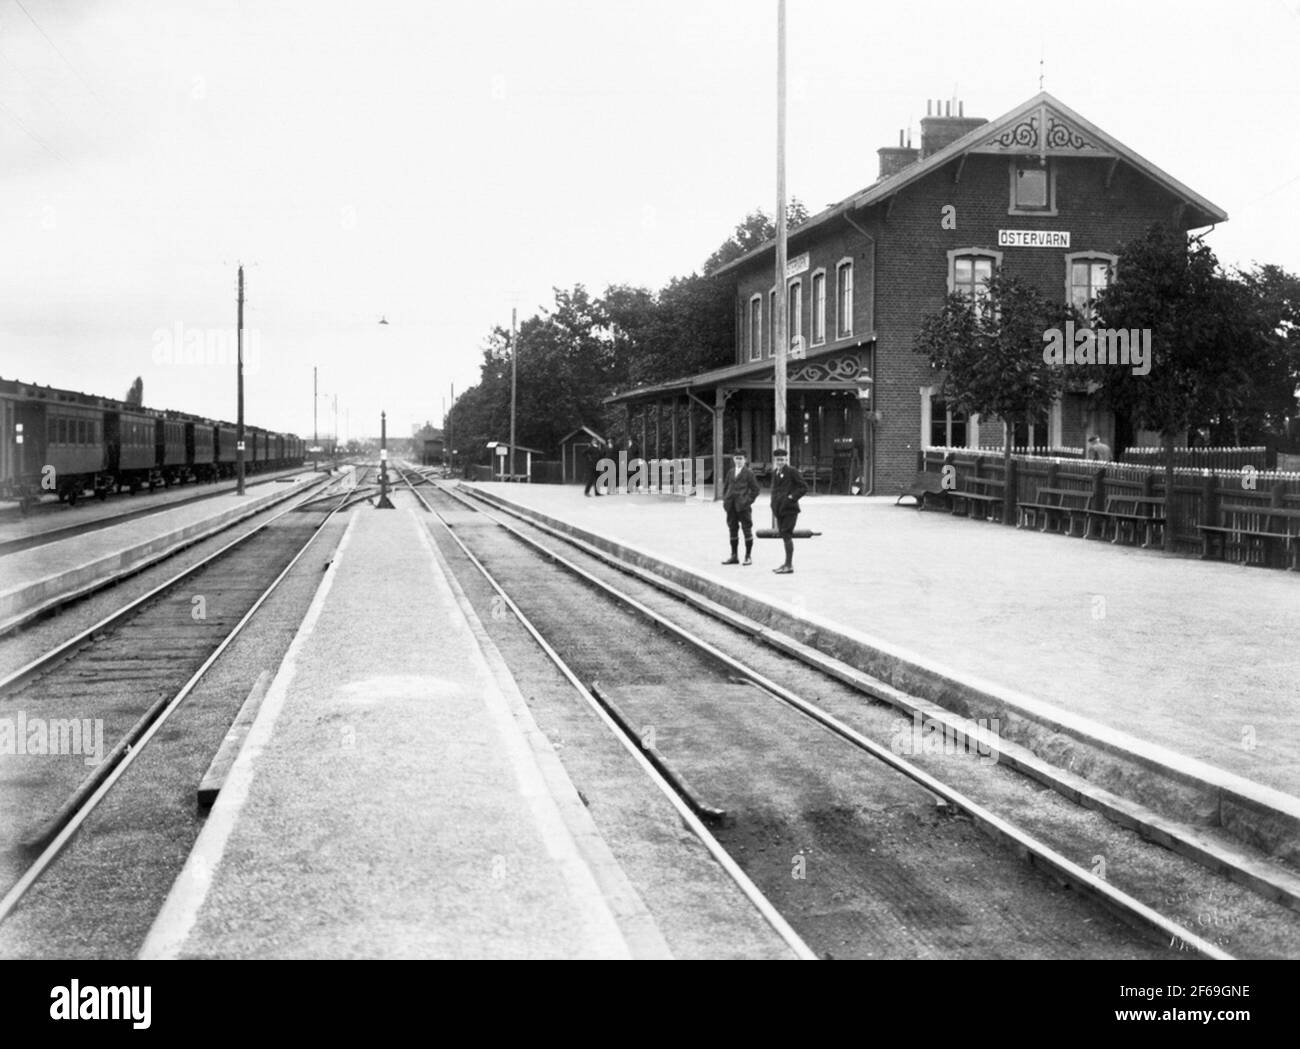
x,y
581,429
1043,125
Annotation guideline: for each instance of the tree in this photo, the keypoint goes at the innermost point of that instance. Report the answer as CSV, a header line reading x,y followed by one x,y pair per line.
x,y
754,231
990,351
1271,408
688,327
1205,337
135,395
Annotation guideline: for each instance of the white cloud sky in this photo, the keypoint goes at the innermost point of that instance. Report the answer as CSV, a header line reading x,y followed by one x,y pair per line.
x,y
437,163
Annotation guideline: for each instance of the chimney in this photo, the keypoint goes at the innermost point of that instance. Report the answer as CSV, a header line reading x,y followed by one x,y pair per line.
x,y
943,128
894,158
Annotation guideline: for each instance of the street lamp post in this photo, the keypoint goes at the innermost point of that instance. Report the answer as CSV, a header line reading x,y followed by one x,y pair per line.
x,y
384,502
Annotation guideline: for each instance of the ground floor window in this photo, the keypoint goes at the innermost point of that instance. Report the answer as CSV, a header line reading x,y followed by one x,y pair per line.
x,y
947,427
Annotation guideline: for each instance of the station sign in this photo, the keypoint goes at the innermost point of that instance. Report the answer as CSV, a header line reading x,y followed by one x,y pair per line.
x,y
797,265
1033,238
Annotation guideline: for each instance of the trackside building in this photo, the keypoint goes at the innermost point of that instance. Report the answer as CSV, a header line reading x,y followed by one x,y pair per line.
x,y
1040,193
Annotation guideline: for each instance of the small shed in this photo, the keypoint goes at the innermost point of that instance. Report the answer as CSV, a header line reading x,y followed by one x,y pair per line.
x,y
501,461
572,447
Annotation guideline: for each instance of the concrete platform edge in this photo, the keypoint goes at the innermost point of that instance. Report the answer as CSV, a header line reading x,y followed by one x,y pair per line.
x,y
1190,790
642,934
23,602
180,910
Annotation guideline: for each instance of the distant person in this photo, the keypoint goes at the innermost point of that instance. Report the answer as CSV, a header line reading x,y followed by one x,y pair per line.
x,y
739,491
787,489
1098,449
592,454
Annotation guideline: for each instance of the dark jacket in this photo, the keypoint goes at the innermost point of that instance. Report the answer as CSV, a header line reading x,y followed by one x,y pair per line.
x,y
739,490
787,489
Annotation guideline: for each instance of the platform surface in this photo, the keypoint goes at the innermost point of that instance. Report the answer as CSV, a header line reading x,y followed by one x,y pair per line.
x,y
1201,658
27,567
392,800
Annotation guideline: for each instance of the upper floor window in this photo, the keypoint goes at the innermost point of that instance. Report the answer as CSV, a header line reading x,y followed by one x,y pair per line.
x,y
771,321
819,307
844,299
969,273
1086,274
794,314
1033,188
755,327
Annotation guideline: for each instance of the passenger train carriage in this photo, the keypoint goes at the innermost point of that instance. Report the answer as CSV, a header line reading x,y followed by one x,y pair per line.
x,y
75,443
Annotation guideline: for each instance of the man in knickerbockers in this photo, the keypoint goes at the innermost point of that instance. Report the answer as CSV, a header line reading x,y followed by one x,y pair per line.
x,y
739,491
787,489
592,455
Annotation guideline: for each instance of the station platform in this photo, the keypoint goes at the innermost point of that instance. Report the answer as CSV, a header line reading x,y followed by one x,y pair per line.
x,y
394,798
34,579
1180,673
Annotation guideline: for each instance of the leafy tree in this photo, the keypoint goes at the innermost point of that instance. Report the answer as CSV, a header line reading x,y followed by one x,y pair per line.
x,y
565,357
755,230
1205,337
685,329
1270,410
990,351
135,395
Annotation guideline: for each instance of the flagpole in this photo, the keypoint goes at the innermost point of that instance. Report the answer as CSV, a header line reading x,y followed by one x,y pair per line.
x,y
779,437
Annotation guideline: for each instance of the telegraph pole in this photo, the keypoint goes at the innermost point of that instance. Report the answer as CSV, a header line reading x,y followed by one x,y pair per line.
x,y
239,369
315,430
779,437
514,372
451,445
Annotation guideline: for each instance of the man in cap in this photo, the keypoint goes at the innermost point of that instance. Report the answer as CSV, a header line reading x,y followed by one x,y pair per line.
x,y
787,489
1098,449
592,454
739,491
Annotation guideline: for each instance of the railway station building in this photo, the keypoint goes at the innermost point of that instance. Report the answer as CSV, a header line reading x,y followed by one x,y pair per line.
x,y
1039,193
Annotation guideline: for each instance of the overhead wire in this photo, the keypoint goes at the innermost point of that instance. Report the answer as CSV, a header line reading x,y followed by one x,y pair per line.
x,y
75,72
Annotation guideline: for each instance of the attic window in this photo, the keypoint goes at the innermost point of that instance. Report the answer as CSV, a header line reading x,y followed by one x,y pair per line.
x,y
1032,187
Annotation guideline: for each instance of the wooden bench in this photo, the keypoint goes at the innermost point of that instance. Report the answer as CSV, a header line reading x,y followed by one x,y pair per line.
x,y
1247,528
979,491
1144,513
924,485
1053,504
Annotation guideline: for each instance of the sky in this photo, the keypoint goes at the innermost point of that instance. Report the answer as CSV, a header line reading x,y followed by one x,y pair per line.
x,y
437,164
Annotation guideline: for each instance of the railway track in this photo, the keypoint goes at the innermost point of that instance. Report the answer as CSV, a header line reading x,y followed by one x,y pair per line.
x,y
725,687
106,702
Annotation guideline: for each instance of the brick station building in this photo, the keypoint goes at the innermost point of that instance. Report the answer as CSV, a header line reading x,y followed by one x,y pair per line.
x,y
1040,192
